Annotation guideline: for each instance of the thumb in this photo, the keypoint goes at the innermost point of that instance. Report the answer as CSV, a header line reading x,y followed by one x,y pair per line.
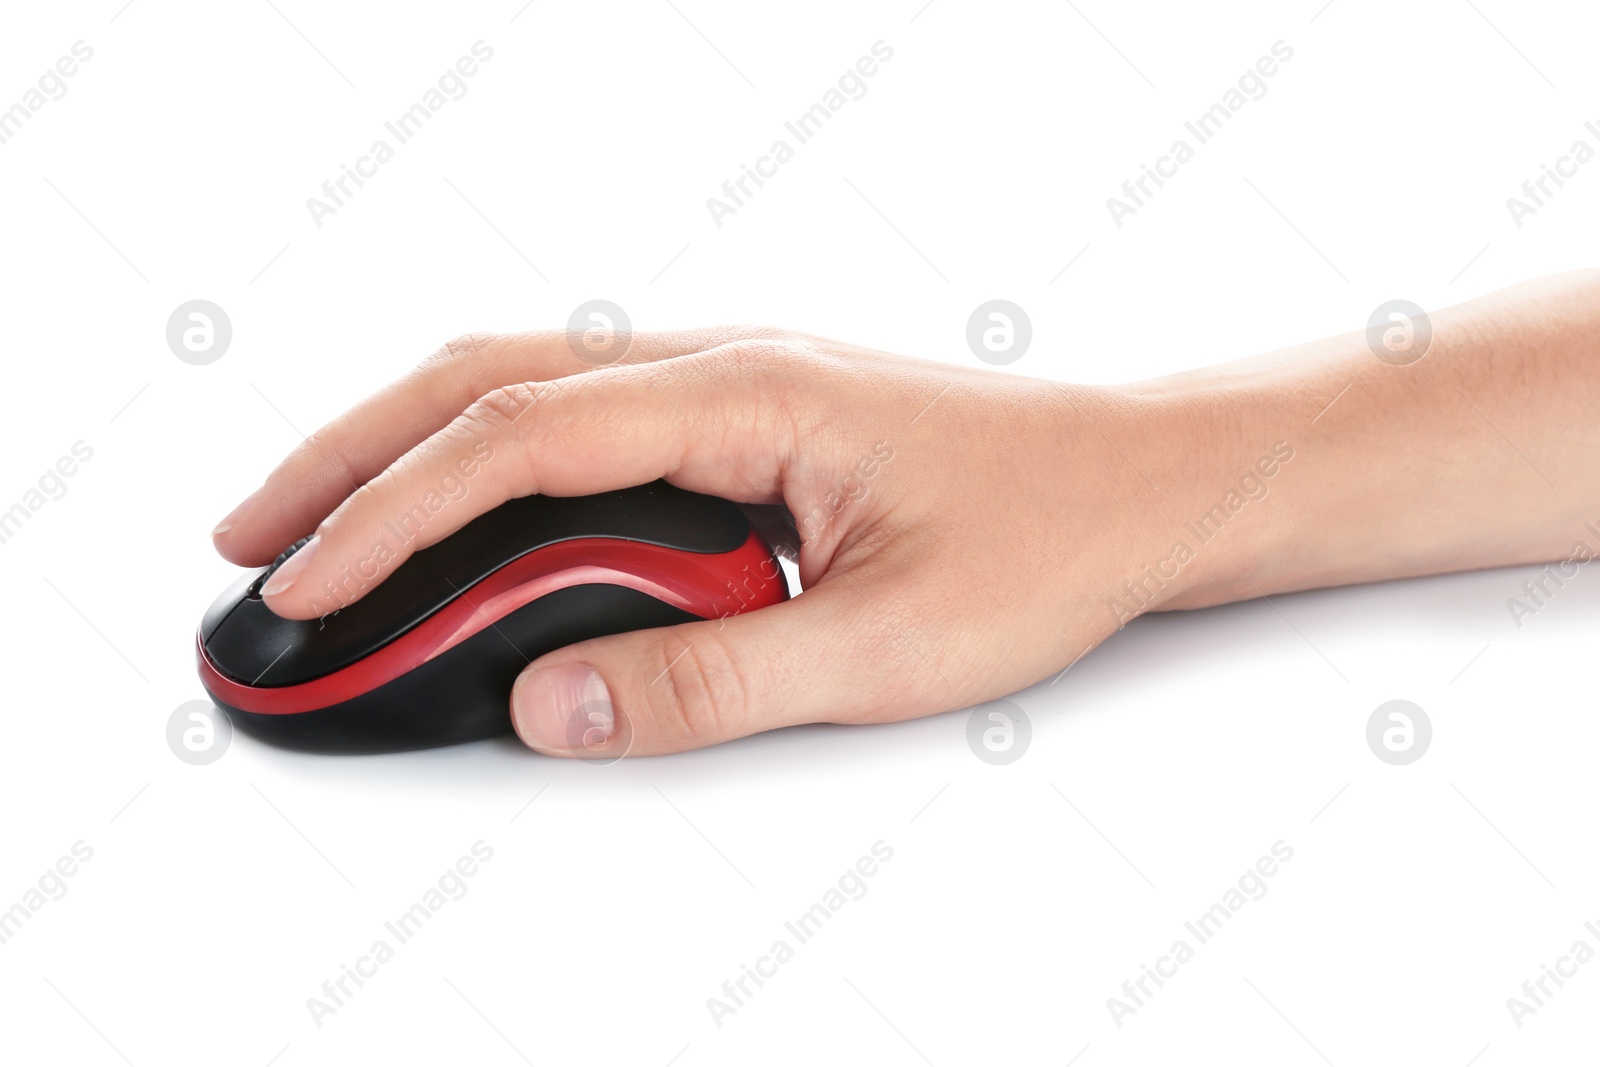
x,y
652,692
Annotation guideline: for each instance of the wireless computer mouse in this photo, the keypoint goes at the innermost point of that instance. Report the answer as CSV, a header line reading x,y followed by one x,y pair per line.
x,y
429,655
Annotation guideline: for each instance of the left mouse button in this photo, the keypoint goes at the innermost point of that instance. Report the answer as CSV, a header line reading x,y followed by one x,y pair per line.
x,y
224,604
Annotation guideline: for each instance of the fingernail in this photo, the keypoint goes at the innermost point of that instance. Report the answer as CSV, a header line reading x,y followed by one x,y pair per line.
x,y
566,707
292,568
232,518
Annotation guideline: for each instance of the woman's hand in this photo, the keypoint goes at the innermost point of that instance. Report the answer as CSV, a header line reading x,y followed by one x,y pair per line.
x,y
960,532
966,533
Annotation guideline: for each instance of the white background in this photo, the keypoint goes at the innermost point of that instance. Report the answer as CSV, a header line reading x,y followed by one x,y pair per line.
x,y
1019,898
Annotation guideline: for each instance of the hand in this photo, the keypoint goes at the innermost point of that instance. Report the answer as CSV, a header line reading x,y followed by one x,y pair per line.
x,y
962,533
959,531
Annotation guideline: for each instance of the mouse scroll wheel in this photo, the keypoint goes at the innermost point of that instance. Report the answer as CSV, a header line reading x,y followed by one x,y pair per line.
x,y
254,592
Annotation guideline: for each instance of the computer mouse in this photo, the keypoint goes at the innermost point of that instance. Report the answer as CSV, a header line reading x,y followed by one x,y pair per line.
x,y
428,656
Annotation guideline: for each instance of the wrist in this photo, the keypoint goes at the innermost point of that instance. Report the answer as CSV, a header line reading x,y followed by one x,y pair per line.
x,y
1232,455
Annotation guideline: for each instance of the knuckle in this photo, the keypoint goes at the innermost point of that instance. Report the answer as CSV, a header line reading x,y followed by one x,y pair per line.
x,y
699,695
331,451
772,333
759,353
502,407
792,385
466,348
784,360
462,366
501,423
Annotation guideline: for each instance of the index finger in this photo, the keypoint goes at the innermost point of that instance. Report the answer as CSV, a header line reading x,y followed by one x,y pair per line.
x,y
344,455
715,427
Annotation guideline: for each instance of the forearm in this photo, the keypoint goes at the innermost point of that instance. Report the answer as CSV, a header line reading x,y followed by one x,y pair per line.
x,y
1482,453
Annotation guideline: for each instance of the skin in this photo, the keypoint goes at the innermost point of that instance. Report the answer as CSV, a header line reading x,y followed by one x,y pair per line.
x,y
962,533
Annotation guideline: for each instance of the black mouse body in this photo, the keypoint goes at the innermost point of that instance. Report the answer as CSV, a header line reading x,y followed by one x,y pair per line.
x,y
428,656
